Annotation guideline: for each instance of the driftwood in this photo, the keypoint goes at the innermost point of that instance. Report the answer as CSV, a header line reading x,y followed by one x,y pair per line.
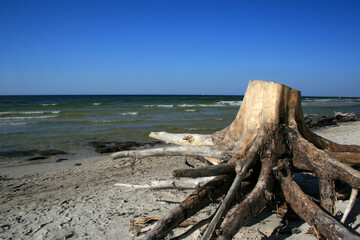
x,y
266,143
324,121
138,224
168,184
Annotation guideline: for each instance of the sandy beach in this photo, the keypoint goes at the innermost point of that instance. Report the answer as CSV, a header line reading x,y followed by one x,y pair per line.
x,y
77,199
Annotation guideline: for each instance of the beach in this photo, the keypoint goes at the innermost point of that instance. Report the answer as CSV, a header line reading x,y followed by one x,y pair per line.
x,y
77,199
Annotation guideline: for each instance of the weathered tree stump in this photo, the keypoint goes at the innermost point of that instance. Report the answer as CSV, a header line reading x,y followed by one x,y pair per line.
x,y
267,141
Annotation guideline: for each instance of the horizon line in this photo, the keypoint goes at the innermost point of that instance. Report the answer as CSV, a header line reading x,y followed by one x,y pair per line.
x,y
150,94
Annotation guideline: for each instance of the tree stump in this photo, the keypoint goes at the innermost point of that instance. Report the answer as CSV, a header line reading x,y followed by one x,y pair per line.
x,y
266,143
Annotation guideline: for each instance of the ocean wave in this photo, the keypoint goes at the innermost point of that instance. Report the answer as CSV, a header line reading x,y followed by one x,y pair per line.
x,y
129,113
96,104
230,103
105,121
198,105
16,123
159,105
29,112
317,101
216,104
203,128
30,117
190,110
48,104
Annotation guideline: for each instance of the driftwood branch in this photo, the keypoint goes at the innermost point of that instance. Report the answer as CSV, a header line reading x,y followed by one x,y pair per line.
x,y
205,151
206,171
182,138
168,184
201,198
194,228
223,209
352,200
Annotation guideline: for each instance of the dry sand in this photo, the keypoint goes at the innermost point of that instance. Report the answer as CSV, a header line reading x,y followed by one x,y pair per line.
x,y
66,200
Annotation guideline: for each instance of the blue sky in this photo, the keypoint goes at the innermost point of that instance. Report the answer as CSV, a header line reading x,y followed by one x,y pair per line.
x,y
178,46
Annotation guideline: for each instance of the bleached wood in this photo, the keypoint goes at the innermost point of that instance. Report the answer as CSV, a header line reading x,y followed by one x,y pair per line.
x,y
186,139
349,114
264,103
182,138
169,184
352,200
205,151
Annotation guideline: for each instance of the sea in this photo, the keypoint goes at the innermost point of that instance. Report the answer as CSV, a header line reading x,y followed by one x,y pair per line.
x,y
70,123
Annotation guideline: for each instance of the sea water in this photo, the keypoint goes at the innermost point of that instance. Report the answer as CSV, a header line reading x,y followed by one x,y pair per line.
x,y
69,123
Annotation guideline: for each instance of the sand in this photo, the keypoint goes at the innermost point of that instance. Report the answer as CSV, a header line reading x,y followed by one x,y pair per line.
x,y
78,200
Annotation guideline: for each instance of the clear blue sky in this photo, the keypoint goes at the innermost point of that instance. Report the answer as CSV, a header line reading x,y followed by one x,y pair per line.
x,y
178,46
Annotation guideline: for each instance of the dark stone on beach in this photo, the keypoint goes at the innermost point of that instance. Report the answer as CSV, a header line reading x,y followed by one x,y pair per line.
x,y
14,153
100,144
77,164
36,158
103,150
61,159
110,147
51,152
153,143
30,153
127,146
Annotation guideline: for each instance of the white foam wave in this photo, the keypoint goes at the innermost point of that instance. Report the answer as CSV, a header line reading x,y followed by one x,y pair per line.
x,y
199,105
160,105
217,104
16,123
194,129
96,104
129,113
186,105
48,104
32,117
190,110
29,112
104,121
230,103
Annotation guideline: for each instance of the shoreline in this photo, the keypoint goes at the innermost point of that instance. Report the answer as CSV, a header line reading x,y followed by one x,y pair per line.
x,y
77,199
94,149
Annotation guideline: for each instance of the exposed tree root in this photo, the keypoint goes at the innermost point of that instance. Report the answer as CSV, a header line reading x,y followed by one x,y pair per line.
x,y
199,199
254,202
305,208
258,152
